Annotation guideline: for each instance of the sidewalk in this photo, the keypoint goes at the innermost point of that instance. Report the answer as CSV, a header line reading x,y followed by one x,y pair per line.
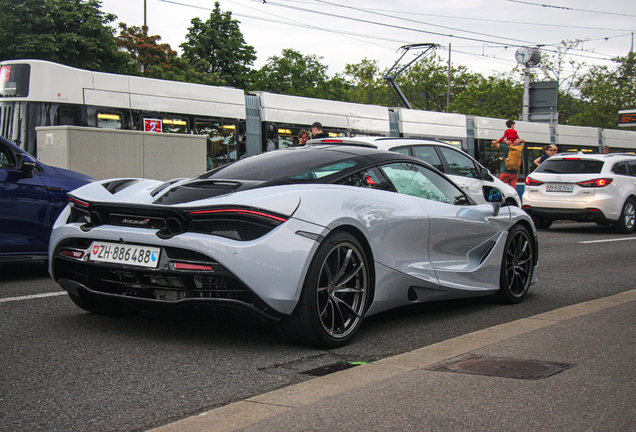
x,y
591,346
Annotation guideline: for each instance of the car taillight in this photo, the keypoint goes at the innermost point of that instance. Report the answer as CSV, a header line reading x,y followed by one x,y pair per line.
x,y
76,201
238,211
602,182
532,182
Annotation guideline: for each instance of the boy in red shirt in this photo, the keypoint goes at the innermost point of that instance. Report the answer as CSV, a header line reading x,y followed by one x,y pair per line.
x,y
511,137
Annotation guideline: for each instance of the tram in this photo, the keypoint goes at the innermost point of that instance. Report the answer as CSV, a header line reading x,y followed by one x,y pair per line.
x,y
41,93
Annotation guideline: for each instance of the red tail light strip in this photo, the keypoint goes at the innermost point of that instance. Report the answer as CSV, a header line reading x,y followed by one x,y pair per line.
x,y
76,201
241,211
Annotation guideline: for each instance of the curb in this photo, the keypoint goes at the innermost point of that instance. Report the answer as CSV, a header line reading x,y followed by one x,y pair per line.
x,y
241,414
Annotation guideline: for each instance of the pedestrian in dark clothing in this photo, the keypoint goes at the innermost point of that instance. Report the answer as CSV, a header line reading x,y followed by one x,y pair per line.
x,y
316,131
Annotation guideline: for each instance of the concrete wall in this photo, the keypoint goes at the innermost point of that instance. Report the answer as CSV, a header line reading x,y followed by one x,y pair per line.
x,y
105,153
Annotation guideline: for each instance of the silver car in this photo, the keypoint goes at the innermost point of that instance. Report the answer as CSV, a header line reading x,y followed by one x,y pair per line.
x,y
466,172
314,239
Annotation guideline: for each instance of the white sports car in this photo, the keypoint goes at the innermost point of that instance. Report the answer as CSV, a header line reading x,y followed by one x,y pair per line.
x,y
312,238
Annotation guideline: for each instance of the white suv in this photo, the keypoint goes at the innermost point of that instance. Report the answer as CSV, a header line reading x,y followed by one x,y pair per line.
x,y
462,169
582,187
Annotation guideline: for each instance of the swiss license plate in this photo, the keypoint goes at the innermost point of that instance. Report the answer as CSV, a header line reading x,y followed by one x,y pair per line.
x,y
559,188
141,256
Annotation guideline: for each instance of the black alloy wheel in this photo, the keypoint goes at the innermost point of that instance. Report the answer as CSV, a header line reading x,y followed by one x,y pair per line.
x,y
516,267
335,295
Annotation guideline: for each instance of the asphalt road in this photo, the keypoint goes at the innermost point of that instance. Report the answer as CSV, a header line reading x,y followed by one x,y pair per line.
x,y
62,369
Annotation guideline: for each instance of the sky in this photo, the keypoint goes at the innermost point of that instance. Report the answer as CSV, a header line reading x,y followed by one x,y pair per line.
x,y
481,35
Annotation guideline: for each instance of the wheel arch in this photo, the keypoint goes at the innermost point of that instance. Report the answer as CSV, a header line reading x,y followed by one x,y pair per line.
x,y
530,229
354,231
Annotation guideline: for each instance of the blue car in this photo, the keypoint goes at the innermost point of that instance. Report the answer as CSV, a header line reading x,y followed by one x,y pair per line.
x,y
32,195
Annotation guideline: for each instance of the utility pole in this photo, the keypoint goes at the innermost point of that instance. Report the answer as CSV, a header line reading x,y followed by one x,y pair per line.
x,y
525,111
145,15
449,79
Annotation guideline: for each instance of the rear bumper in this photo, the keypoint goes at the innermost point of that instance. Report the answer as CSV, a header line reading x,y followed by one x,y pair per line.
x,y
579,215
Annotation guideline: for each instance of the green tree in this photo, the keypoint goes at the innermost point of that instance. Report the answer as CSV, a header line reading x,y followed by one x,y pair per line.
x,y
495,96
366,84
217,46
71,32
298,75
605,91
155,60
425,84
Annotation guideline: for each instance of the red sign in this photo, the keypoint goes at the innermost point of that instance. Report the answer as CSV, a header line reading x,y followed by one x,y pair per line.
x,y
5,73
152,125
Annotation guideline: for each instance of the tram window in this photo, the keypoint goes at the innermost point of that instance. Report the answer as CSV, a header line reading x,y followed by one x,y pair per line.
x,y
174,126
108,120
68,115
286,138
221,146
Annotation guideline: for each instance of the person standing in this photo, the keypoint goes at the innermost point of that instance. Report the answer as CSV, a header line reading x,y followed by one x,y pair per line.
x,y
510,163
303,136
548,150
316,131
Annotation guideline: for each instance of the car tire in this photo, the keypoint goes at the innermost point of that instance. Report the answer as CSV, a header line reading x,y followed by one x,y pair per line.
x,y
110,307
517,266
334,297
541,222
627,222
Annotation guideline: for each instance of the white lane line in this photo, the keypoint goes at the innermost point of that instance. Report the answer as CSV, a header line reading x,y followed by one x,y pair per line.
x,y
29,297
608,240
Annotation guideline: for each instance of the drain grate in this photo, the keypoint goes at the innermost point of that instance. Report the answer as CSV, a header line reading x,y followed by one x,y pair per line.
x,y
501,367
336,367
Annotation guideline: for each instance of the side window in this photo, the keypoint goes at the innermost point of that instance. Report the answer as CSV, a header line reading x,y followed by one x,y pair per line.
x,y
6,158
422,182
632,168
459,163
428,154
109,120
401,150
621,168
368,178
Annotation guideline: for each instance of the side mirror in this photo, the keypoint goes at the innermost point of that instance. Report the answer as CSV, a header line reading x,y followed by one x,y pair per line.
x,y
495,197
27,166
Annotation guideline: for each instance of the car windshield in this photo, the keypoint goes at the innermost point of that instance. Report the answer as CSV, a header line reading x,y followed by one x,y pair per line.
x,y
293,164
570,166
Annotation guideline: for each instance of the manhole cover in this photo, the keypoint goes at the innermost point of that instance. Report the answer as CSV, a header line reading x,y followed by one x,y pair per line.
x,y
501,367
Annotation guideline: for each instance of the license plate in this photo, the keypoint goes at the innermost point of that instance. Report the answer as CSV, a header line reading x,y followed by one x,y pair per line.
x,y
141,256
559,188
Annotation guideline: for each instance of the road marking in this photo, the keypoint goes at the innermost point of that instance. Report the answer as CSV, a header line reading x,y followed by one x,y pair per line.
x,y
29,297
607,240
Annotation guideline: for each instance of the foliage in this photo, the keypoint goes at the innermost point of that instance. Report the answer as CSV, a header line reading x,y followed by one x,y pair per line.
x,y
605,91
71,32
495,96
217,46
366,85
155,60
297,75
425,84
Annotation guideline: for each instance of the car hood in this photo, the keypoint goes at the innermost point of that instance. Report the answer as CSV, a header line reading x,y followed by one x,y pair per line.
x,y
73,175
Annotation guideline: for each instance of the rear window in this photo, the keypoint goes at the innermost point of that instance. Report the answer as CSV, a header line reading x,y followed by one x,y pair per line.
x,y
294,163
570,166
